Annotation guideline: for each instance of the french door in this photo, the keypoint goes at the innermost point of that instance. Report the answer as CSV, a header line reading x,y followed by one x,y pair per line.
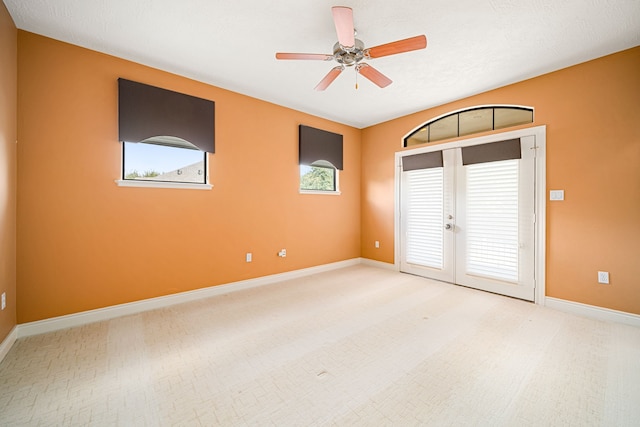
x,y
467,216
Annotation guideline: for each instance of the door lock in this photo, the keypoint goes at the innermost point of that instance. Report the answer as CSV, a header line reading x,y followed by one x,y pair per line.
x,y
448,226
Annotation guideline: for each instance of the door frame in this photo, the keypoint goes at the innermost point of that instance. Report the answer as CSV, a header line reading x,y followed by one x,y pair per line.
x,y
540,134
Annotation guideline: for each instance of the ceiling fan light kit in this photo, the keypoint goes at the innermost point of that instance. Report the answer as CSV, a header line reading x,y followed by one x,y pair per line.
x,y
349,51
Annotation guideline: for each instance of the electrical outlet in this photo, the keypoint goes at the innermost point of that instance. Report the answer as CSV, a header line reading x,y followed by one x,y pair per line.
x,y
377,244
282,253
556,195
4,300
249,257
603,277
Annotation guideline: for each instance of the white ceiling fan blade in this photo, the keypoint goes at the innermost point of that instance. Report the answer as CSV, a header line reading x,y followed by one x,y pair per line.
x,y
329,78
374,75
343,20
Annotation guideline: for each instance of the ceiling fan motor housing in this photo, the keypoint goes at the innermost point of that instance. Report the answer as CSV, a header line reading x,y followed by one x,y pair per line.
x,y
349,56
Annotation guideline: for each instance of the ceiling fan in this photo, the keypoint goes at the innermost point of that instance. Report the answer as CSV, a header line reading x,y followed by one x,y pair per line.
x,y
349,51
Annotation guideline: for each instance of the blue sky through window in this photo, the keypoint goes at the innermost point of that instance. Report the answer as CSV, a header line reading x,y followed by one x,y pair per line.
x,y
304,169
159,158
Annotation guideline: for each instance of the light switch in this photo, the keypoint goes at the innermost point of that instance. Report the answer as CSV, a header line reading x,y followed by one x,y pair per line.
x,y
556,195
603,277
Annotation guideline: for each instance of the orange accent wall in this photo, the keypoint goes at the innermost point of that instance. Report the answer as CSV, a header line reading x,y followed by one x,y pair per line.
x,y
85,243
592,114
8,131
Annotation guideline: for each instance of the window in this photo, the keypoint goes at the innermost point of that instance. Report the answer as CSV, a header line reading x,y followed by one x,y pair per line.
x,y
320,176
165,137
469,121
320,158
163,163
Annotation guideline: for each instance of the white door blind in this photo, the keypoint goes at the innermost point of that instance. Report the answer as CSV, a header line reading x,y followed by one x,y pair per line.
x,y
424,232
492,220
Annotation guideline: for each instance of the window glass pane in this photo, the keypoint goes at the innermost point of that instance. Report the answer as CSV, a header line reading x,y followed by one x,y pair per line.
x,y
475,121
150,162
512,117
468,122
319,178
446,127
420,137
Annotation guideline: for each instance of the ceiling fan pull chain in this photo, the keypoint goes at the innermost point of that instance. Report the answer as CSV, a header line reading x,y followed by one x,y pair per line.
x,y
357,79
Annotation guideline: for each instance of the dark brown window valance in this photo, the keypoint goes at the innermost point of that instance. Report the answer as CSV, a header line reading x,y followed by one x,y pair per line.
x,y
492,152
146,112
422,161
316,144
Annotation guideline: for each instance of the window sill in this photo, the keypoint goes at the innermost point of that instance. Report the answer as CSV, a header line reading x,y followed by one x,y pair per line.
x,y
325,193
158,184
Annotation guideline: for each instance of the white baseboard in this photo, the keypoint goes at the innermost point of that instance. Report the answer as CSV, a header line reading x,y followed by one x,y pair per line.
x,y
8,342
91,316
592,311
378,264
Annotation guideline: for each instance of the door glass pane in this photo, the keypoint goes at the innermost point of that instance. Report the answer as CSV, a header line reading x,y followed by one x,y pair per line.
x,y
492,220
425,206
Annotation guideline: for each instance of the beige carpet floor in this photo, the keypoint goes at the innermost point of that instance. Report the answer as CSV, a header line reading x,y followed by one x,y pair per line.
x,y
354,347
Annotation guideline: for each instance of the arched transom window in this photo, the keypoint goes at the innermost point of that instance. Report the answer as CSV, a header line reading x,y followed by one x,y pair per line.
x,y
469,121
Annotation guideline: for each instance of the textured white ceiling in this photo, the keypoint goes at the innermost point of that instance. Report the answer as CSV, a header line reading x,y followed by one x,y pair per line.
x,y
473,45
